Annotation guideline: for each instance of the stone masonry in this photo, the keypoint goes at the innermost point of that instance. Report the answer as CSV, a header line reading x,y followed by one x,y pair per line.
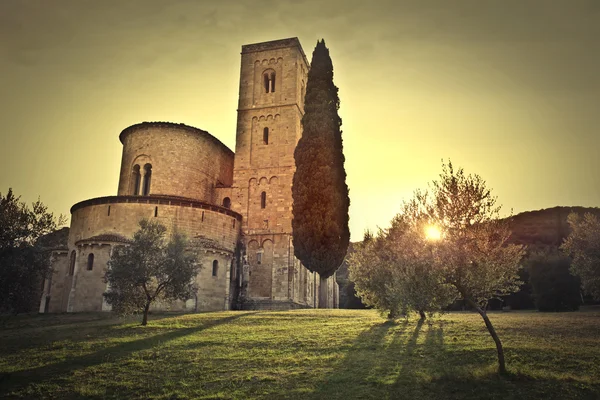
x,y
236,207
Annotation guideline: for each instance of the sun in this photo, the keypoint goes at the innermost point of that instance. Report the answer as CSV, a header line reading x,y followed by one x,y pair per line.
x,y
432,232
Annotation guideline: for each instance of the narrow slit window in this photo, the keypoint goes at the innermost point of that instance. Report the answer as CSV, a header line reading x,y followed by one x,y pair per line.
x,y
90,261
259,257
147,179
266,135
267,83
215,269
273,82
108,211
137,178
233,223
202,216
156,211
263,200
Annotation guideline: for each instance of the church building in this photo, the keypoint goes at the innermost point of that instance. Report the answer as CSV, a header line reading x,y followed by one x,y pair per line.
x,y
235,207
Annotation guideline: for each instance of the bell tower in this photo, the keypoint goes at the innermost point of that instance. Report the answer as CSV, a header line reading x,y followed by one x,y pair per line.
x,y
272,87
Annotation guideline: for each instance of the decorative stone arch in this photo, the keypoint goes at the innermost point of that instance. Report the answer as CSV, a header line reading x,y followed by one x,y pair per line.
x,y
263,181
136,182
269,80
261,118
274,180
272,61
267,241
252,182
269,117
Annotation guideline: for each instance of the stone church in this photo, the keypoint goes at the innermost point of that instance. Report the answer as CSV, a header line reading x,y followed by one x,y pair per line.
x,y
236,207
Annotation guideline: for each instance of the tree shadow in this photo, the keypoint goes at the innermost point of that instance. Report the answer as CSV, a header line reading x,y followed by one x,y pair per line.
x,y
366,353
421,364
55,372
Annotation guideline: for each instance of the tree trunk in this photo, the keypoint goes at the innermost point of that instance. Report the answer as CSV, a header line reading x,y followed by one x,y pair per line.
x,y
323,295
422,314
490,327
145,318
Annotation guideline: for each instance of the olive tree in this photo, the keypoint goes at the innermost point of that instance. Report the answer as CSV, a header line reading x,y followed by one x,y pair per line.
x,y
150,269
450,243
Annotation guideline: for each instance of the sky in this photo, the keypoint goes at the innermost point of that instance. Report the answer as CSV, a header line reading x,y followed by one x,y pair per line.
x,y
507,89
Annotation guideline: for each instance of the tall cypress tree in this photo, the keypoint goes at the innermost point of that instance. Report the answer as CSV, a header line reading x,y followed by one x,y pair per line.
x,y
320,213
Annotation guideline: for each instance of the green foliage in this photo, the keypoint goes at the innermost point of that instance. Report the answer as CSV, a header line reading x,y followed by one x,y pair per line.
x,y
583,244
150,269
401,270
320,213
24,261
553,286
395,271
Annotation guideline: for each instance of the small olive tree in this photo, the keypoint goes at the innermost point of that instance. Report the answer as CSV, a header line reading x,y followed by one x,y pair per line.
x,y
394,271
150,269
467,256
583,244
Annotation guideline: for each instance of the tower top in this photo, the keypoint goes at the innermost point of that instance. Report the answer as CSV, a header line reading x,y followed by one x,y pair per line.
x,y
275,44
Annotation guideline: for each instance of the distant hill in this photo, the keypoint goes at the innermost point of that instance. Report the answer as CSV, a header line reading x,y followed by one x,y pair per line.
x,y
540,229
544,228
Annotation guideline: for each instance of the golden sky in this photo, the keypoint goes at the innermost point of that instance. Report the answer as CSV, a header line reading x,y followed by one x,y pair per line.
x,y
508,89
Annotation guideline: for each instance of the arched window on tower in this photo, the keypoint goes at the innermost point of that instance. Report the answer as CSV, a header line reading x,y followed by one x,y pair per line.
x,y
90,263
266,135
269,81
72,263
227,202
263,200
147,179
137,178
215,269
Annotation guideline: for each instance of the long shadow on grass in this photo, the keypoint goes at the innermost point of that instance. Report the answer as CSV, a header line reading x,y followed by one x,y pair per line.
x,y
56,372
367,355
419,364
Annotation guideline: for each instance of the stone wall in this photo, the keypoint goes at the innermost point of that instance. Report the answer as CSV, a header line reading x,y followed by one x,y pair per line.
x,y
186,161
96,230
268,129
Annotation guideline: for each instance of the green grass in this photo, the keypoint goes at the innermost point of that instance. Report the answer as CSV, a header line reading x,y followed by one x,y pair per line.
x,y
307,354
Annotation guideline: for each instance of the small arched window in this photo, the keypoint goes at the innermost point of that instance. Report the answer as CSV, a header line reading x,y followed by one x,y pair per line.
x,y
147,179
227,202
137,178
266,135
90,263
215,269
263,200
269,81
72,263
259,257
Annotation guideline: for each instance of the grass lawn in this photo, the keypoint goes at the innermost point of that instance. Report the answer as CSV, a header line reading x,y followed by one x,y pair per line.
x,y
306,354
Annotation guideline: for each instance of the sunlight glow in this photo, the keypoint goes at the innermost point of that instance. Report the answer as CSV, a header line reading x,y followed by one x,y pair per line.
x,y
432,232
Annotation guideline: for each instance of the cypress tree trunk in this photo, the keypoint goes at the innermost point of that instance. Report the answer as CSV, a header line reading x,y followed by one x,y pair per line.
x,y
490,327
323,295
422,315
